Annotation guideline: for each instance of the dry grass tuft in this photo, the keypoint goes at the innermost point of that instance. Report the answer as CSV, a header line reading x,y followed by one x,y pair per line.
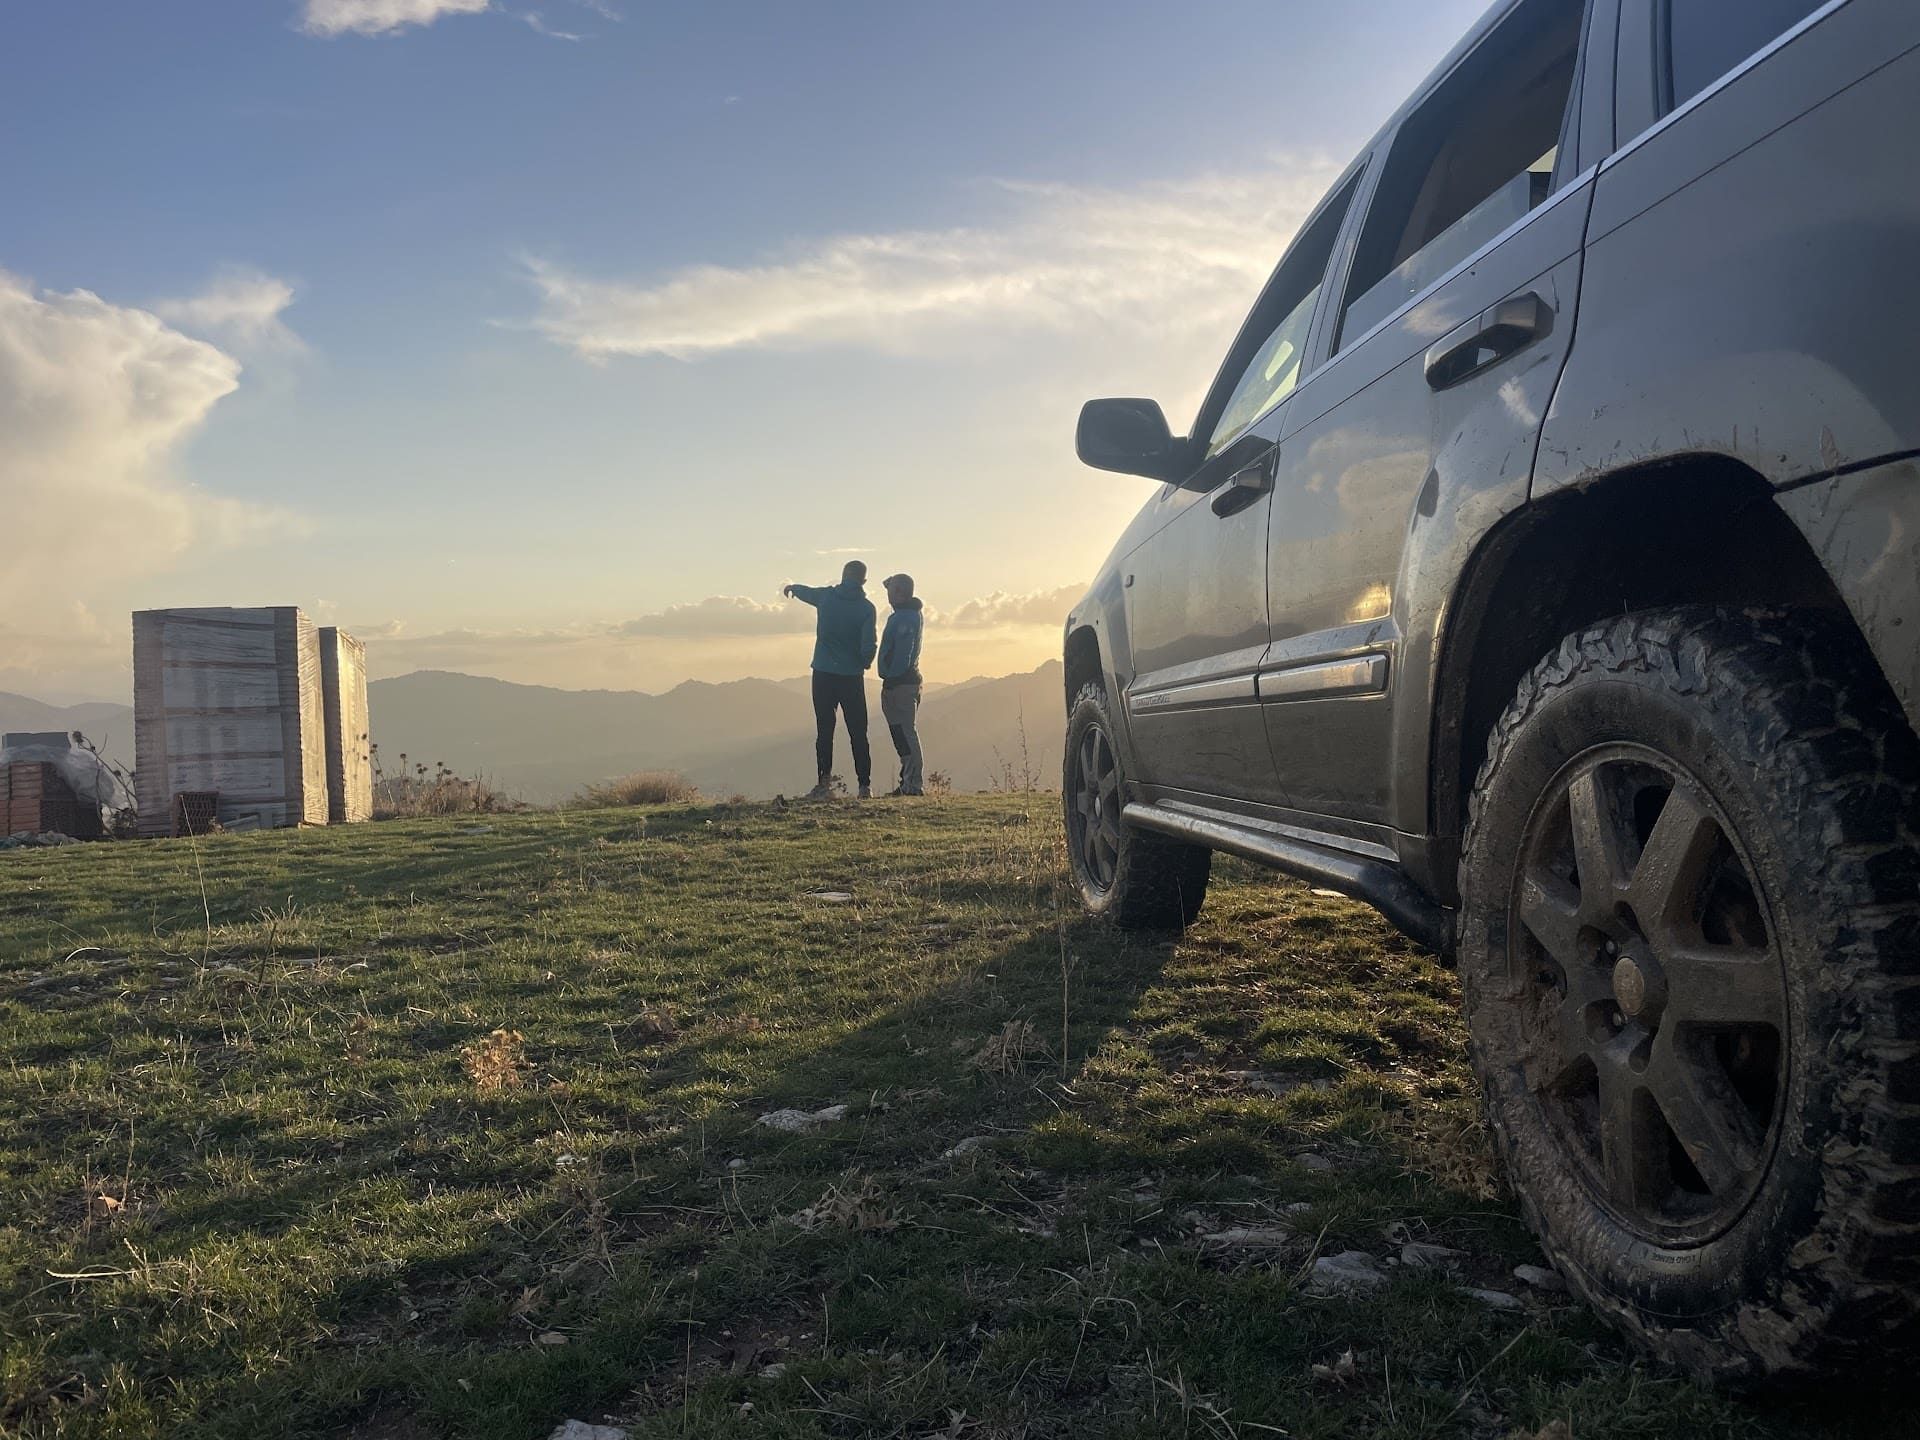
x,y
496,1063
643,787
1008,1052
859,1205
416,790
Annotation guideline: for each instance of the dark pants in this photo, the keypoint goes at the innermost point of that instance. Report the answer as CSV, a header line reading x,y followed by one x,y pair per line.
x,y
847,693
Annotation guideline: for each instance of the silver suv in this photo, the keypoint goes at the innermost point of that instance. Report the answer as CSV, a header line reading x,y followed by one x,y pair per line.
x,y
1543,567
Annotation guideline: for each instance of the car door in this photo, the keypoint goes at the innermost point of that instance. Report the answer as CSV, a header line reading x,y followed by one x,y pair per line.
x,y
1454,321
1196,588
1752,245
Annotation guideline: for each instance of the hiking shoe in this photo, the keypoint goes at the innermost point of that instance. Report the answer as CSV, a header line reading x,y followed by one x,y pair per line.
x,y
822,791
866,792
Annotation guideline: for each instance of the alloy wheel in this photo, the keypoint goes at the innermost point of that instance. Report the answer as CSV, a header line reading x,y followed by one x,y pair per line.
x,y
1652,991
1096,807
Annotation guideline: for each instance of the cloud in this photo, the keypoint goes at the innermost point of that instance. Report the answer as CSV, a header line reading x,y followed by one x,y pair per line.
x,y
714,620
1041,607
1065,259
721,616
540,27
379,17
95,401
241,307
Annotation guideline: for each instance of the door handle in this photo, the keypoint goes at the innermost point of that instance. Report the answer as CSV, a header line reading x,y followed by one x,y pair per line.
x,y
1488,338
1247,484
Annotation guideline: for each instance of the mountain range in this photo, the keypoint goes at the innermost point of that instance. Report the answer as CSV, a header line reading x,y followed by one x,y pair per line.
x,y
748,737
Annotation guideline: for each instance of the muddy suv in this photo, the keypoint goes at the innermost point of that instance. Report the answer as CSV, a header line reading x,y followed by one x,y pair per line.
x,y
1543,567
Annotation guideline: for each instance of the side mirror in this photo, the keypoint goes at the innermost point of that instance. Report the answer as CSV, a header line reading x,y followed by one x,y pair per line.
x,y
1129,436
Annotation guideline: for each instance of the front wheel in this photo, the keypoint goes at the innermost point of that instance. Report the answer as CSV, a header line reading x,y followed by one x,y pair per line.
x,y
1690,905
1139,881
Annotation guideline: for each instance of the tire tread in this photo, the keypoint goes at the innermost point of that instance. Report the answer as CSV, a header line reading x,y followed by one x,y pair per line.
x,y
1844,766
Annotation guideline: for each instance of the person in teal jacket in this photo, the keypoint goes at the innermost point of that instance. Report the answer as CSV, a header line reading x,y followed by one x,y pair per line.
x,y
843,648
900,680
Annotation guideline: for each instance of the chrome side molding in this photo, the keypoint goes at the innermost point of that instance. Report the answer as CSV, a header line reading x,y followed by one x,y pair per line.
x,y
1361,675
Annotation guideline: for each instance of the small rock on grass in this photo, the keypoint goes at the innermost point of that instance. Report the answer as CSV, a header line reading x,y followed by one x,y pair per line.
x,y
1539,1277
966,1146
1349,1272
798,1122
1497,1299
773,1371
581,1430
1248,1237
1425,1256
1311,1161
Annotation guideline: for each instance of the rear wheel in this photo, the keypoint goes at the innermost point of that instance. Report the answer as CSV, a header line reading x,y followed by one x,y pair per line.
x,y
1691,905
1139,881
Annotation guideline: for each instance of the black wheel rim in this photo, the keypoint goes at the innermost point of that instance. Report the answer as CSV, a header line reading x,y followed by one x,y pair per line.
x,y
1094,813
1651,992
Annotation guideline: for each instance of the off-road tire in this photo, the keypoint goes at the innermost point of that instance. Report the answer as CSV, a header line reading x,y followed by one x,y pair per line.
x,y
1136,879
1801,750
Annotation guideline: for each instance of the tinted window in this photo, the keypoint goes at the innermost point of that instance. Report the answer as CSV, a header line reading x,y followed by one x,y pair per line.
x,y
1707,38
1475,157
1276,332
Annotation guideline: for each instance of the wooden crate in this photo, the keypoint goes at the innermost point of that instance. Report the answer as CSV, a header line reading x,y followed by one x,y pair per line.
x,y
34,798
229,700
343,685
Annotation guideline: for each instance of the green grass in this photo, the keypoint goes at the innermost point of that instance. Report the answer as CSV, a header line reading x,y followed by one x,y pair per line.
x,y
327,1228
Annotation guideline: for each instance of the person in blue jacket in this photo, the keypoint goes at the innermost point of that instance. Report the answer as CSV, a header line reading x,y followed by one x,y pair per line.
x,y
900,680
843,647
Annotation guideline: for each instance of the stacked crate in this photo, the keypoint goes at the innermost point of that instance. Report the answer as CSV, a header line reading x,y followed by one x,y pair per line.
x,y
343,684
34,798
230,701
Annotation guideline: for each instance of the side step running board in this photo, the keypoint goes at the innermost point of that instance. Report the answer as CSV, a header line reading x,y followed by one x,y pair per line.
x,y
1377,883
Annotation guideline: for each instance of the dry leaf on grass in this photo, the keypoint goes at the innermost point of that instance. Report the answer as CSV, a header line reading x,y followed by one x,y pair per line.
x,y
1341,1372
654,1023
497,1062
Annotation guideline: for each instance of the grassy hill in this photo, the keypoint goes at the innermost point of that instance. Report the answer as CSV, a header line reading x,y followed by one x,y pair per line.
x,y
456,1129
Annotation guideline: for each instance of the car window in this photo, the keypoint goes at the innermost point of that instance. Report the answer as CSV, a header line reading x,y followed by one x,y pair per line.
x,y
1272,375
1476,156
1277,330
1707,38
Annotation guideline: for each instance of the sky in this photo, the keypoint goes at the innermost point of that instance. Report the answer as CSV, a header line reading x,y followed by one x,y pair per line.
x,y
547,341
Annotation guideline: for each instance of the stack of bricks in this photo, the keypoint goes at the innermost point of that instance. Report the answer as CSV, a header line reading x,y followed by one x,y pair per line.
x,y
35,799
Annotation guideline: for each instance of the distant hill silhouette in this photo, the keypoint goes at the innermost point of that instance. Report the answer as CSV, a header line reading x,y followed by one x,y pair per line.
x,y
108,726
752,737
748,737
